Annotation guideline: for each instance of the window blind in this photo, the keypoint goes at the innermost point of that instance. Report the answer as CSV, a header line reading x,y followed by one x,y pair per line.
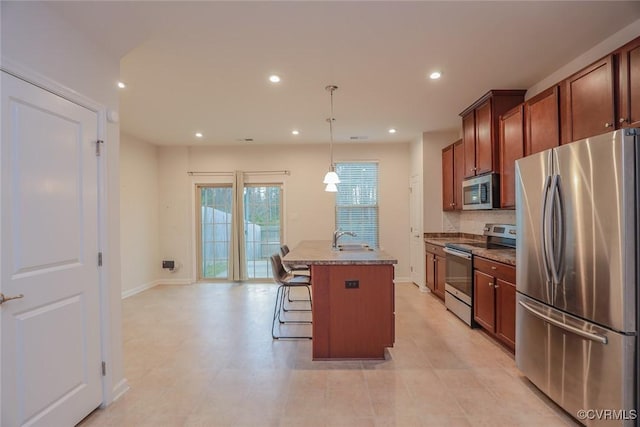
x,y
357,201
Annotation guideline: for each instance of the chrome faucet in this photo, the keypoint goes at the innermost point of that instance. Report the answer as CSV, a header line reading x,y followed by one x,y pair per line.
x,y
338,234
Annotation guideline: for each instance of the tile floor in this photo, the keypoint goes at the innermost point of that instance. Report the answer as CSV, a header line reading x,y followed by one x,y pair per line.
x,y
202,355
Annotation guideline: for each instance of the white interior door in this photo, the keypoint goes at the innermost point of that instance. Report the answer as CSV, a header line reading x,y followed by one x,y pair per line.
x,y
417,240
51,364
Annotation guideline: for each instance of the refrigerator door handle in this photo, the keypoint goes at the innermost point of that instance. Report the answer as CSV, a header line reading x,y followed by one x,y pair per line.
x,y
545,229
557,230
584,334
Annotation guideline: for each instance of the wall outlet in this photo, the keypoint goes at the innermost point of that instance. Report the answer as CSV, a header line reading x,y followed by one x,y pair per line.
x,y
351,284
169,264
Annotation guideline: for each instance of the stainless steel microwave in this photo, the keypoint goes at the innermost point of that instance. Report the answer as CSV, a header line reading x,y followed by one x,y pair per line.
x,y
481,192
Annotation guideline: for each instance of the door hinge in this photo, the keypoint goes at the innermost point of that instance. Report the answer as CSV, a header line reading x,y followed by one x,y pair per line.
x,y
99,259
98,145
104,369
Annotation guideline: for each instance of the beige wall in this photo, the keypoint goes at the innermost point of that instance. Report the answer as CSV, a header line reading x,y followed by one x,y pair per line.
x,y
308,209
175,209
433,143
139,216
38,41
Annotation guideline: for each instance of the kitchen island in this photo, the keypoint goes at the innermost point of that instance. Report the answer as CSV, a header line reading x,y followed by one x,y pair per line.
x,y
353,299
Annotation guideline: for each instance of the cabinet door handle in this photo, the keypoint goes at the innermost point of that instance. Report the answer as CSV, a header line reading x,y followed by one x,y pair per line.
x,y
608,125
490,284
493,267
496,286
622,120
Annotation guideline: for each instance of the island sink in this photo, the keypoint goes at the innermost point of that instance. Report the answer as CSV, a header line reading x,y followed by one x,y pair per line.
x,y
353,247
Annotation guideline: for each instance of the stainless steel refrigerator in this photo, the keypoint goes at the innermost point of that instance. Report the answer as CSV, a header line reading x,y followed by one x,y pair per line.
x,y
576,280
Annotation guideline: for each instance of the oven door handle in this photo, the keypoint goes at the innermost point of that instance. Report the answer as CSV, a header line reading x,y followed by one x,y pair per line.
x,y
460,254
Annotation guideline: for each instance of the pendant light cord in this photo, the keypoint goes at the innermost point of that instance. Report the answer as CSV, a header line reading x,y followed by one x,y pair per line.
x,y
331,88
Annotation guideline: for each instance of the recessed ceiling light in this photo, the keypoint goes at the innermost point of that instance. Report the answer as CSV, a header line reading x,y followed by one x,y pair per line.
x,y
435,75
121,85
274,78
199,135
295,132
392,130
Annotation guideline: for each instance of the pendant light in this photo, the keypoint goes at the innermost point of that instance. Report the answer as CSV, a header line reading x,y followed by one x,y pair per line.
x,y
331,178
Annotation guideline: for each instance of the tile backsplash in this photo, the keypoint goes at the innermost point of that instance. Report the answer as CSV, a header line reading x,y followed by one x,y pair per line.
x,y
473,221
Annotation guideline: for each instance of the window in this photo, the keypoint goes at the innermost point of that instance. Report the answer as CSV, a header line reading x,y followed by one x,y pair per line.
x,y
357,201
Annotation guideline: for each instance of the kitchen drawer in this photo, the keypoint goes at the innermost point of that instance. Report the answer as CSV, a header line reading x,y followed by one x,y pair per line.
x,y
435,249
496,269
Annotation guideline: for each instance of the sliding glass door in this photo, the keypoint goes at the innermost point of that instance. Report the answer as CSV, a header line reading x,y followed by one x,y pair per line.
x,y
262,227
214,209
262,207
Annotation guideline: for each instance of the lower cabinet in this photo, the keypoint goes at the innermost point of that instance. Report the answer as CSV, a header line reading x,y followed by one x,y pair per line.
x,y
435,269
494,299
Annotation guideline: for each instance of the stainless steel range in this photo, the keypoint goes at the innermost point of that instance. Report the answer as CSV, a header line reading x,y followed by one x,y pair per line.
x,y
458,296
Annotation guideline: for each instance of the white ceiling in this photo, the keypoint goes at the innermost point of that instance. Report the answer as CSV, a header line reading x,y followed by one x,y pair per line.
x,y
203,66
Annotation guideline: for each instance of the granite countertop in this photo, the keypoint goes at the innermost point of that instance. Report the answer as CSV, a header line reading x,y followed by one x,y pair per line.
x,y
507,256
319,252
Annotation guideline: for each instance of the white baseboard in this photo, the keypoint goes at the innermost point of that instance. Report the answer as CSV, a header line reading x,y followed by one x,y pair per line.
x,y
120,389
175,281
138,289
402,280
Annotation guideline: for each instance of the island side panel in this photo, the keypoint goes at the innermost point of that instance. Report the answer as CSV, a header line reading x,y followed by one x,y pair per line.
x,y
356,322
320,310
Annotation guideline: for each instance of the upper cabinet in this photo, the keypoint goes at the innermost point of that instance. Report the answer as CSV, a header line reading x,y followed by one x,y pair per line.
x,y
448,190
511,149
588,106
629,85
458,173
452,169
480,130
542,121
469,144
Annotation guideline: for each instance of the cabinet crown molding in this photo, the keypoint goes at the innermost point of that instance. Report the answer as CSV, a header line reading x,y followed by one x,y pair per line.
x,y
490,94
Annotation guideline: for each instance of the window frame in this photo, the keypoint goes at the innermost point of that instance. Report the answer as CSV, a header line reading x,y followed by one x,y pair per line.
x,y
363,207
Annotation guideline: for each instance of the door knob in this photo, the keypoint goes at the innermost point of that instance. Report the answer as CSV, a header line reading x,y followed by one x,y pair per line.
x,y
4,299
608,125
622,120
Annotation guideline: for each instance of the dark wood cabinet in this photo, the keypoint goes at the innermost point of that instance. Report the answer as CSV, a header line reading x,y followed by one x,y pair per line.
x,y
629,85
494,304
480,130
588,106
484,300
431,271
469,144
542,121
440,275
448,189
452,175
458,173
435,269
511,149
484,141
506,312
